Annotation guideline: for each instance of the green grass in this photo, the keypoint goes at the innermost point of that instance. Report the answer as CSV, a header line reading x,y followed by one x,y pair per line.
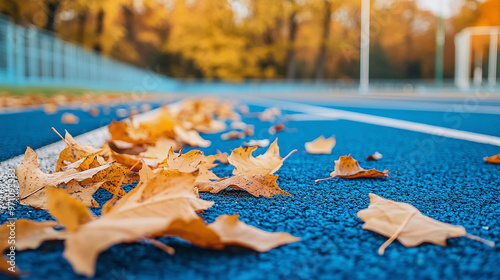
x,y
47,91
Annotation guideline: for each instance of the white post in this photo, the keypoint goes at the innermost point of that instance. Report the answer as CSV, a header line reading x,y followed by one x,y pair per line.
x,y
492,57
365,47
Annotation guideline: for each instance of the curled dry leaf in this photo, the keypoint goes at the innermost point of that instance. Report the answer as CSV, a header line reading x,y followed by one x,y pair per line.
x,y
160,150
150,208
257,185
191,137
222,157
73,151
320,145
32,181
375,156
493,159
402,221
269,114
348,168
228,230
258,143
190,162
268,163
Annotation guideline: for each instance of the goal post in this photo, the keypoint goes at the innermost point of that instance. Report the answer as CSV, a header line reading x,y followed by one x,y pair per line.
x,y
463,54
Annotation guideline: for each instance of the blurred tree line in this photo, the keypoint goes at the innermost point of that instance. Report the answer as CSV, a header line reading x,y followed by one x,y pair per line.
x,y
264,39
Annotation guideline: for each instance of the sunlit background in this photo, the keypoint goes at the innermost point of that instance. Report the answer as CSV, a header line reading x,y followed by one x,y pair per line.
x,y
236,40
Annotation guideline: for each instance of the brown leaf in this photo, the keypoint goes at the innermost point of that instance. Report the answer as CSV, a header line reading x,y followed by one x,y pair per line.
x,y
83,194
256,185
222,157
228,230
73,151
268,163
348,168
277,128
375,156
233,135
68,118
191,137
68,211
493,159
402,221
125,132
32,181
147,210
320,145
160,150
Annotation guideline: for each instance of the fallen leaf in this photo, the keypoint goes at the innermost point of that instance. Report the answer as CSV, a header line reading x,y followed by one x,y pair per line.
x,y
83,194
269,114
402,221
268,163
94,112
50,108
73,151
222,157
32,180
277,128
68,211
493,159
257,185
68,118
125,132
320,145
228,230
258,143
160,150
348,168
375,156
233,135
191,137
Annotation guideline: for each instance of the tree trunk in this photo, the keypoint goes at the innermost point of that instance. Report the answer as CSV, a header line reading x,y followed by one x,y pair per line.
x,y
290,57
129,19
98,31
82,20
320,60
52,7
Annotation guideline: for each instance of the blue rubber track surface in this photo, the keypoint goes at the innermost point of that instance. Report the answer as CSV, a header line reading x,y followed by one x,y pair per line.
x,y
444,178
33,128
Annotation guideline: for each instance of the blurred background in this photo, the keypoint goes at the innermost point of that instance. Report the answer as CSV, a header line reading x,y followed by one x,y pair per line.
x,y
411,43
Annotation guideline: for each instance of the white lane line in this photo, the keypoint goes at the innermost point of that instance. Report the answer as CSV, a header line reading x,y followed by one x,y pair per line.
x,y
377,120
459,107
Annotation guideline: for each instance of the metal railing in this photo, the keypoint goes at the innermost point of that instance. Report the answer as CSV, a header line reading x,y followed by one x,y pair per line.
x,y
33,57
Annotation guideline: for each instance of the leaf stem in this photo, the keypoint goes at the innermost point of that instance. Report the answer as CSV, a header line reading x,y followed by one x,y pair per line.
x,y
381,250
479,239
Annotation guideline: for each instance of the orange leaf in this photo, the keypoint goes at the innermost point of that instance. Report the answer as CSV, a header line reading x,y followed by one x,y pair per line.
x,y
256,185
402,221
348,168
268,163
68,211
493,159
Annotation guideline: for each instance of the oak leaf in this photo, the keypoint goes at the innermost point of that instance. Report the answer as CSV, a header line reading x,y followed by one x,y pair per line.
x,y
348,168
256,185
268,163
493,159
32,181
404,222
320,145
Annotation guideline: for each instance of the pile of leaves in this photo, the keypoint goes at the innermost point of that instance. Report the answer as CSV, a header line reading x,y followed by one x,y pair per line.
x,y
165,201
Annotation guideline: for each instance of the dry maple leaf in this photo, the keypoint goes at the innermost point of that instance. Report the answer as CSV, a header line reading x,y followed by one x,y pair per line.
x,y
493,159
259,143
320,145
146,210
375,156
268,163
233,135
228,230
160,150
125,132
402,221
32,180
348,168
83,194
190,162
256,185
